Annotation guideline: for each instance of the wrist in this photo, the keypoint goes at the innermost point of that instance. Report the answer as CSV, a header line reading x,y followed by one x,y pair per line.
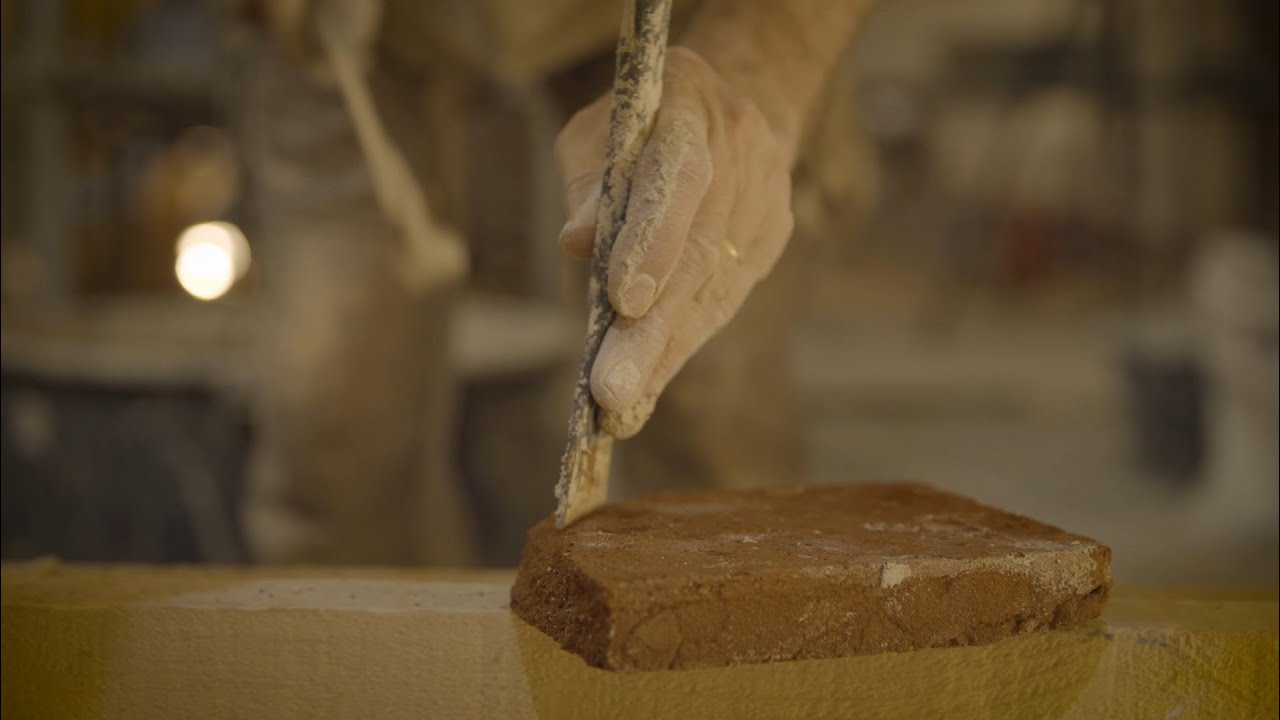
x,y
776,54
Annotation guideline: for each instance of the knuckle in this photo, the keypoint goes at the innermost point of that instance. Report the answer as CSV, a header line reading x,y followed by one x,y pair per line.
x,y
647,336
697,170
683,124
699,257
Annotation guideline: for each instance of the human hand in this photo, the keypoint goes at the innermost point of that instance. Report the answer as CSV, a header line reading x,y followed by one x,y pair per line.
x,y
708,216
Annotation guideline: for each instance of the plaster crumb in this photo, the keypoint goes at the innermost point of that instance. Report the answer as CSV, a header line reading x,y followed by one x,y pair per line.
x,y
890,527
893,573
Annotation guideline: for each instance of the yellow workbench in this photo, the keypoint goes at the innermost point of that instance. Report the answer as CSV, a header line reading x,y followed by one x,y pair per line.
x,y
199,642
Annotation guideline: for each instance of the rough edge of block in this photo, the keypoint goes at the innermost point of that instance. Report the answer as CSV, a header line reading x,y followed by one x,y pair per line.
x,y
592,624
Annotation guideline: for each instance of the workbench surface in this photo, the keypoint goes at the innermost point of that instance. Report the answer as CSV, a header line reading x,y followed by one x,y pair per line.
x,y
210,642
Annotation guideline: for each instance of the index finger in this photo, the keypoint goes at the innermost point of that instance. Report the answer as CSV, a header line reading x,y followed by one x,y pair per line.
x,y
666,193
580,158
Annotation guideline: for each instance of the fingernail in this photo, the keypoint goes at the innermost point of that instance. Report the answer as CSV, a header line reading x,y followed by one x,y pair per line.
x,y
566,239
577,227
621,382
638,295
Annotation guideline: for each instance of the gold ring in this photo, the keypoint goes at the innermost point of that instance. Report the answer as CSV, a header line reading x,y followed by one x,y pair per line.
x,y
732,249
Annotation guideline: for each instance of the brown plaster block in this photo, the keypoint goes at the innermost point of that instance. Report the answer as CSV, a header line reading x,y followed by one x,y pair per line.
x,y
724,577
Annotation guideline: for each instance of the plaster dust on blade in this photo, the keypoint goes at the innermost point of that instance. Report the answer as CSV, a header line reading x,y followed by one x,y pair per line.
x,y
637,92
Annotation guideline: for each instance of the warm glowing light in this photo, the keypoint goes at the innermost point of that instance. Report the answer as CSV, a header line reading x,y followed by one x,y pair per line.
x,y
211,257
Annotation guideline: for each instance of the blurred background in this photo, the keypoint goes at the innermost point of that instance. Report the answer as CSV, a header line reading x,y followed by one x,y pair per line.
x,y
1035,262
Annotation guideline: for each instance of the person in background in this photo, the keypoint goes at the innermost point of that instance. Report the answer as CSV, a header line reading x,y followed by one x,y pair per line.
x,y
355,460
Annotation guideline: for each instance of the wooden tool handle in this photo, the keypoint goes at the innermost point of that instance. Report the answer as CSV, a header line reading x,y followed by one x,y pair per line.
x,y
637,92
